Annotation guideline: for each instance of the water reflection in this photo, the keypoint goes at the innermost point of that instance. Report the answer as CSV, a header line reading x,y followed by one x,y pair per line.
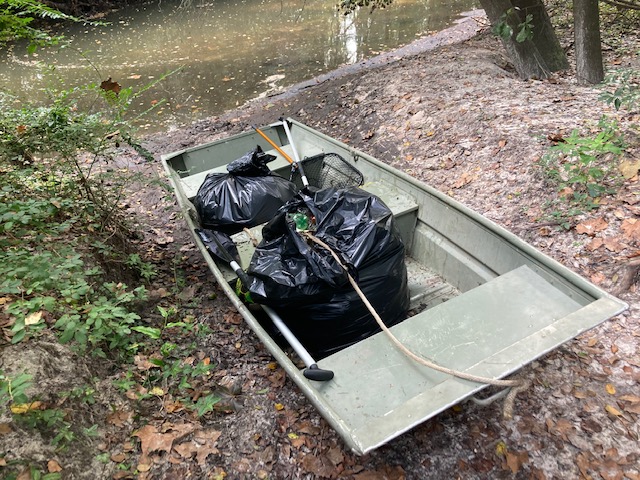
x,y
228,51
348,33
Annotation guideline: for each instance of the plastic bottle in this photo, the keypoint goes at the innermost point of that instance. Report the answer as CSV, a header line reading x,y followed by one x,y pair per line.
x,y
301,221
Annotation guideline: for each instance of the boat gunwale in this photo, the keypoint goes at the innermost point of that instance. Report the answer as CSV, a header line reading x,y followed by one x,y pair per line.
x,y
545,263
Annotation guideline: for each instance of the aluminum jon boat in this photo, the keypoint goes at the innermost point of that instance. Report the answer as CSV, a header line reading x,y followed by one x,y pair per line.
x,y
488,303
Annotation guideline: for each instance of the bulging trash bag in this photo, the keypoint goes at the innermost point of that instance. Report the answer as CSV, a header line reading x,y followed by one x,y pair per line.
x,y
247,196
309,288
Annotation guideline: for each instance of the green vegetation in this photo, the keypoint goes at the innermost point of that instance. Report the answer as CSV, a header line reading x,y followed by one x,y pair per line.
x,y
18,16
585,167
68,266
503,30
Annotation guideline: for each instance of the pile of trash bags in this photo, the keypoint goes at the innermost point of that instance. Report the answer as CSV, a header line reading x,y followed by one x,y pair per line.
x,y
295,276
309,289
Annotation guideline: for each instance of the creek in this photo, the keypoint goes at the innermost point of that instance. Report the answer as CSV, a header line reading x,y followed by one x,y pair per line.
x,y
222,53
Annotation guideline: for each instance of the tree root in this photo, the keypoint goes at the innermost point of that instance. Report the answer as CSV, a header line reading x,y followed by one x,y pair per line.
x,y
628,275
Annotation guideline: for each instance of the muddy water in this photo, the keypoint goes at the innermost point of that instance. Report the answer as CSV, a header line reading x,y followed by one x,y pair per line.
x,y
223,53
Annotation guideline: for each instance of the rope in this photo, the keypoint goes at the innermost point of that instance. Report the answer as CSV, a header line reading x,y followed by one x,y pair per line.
x,y
516,385
252,238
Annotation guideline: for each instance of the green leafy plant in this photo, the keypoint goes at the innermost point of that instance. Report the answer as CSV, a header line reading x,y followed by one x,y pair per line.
x,y
206,404
350,6
504,29
621,89
585,167
34,472
145,269
174,371
52,420
105,323
13,390
18,16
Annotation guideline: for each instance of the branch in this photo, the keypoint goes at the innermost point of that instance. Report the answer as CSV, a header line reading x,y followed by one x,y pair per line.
x,y
628,4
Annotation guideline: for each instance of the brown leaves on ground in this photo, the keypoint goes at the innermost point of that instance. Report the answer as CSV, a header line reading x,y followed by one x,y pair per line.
x,y
618,233
631,229
592,226
175,443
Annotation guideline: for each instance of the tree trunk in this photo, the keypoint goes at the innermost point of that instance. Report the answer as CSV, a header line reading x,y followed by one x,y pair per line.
x,y
544,36
533,58
586,23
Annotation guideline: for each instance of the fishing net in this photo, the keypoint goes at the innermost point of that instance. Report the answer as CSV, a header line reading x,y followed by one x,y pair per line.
x,y
328,170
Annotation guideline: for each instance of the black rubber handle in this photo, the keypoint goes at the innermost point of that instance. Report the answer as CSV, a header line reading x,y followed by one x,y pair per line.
x,y
318,374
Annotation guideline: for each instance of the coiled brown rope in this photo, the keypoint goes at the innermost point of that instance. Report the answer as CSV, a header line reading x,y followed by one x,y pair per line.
x,y
516,385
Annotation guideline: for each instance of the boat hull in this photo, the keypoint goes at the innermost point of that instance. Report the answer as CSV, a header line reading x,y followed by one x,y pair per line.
x,y
484,301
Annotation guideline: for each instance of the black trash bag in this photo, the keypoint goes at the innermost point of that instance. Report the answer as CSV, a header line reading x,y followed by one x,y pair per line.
x,y
247,196
251,164
219,244
308,287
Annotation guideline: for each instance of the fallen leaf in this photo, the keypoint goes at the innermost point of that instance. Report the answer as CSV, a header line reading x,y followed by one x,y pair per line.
x,y
156,391
501,449
22,408
611,390
516,460
613,410
151,440
592,226
595,244
119,418
143,363
385,473
629,168
564,427
463,180
279,406
308,428
5,428
110,86
118,457
320,466
630,398
207,440
33,318
25,474
583,463
633,408
53,466
631,228
556,138
613,245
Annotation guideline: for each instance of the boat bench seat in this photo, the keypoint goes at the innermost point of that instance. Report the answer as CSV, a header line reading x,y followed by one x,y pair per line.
x,y
491,331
